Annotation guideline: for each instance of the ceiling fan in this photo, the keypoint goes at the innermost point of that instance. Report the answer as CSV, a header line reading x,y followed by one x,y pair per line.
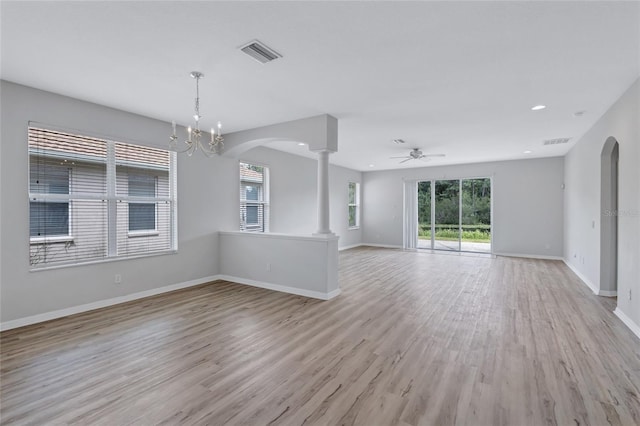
x,y
416,154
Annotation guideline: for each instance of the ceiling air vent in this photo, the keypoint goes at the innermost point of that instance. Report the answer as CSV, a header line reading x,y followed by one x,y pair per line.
x,y
260,52
556,141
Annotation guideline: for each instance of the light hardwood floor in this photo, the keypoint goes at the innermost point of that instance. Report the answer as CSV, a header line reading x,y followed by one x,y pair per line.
x,y
414,338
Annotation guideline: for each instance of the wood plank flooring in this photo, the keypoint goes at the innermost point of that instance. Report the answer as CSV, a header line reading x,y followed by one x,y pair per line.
x,y
414,338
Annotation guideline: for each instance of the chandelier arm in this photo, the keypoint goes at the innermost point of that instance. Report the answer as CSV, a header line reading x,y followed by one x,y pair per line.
x,y
182,151
208,153
208,150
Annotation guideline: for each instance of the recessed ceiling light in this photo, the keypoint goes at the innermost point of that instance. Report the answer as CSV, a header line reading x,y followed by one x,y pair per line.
x,y
579,113
301,144
371,165
398,141
538,107
528,152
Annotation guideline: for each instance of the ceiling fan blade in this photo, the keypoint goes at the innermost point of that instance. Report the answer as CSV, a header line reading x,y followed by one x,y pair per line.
x,y
404,161
433,155
401,157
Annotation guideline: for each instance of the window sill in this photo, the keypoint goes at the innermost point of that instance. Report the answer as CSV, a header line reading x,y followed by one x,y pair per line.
x,y
103,260
48,240
135,234
354,228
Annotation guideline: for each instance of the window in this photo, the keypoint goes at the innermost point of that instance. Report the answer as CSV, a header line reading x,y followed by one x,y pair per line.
x,y
142,216
49,216
92,199
254,200
354,205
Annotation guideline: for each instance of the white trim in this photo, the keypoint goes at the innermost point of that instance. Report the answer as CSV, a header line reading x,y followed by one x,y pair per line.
x,y
313,237
635,328
584,279
47,316
103,260
145,233
333,294
349,247
282,288
52,239
606,293
390,246
529,256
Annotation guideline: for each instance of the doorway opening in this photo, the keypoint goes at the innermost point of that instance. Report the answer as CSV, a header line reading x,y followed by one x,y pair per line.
x,y
455,215
609,219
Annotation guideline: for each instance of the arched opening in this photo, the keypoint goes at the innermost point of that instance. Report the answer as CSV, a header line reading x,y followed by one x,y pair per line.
x,y
609,219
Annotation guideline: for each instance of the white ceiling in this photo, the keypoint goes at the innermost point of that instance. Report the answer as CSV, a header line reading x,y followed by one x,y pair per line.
x,y
457,78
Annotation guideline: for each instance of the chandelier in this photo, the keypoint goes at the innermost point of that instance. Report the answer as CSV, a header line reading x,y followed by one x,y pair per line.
x,y
194,136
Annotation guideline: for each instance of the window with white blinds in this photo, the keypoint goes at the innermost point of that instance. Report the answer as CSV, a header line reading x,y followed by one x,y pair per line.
x,y
92,199
254,198
354,205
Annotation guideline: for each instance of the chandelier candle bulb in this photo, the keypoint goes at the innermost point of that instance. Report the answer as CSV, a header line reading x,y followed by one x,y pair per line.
x,y
173,126
189,132
213,134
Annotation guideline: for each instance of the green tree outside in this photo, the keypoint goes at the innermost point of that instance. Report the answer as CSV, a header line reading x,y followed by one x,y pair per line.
x,y
476,210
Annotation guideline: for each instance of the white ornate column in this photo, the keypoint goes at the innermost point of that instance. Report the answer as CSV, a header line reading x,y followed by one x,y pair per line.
x,y
324,227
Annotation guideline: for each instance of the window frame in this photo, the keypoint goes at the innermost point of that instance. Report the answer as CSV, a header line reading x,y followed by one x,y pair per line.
x,y
83,149
355,205
261,203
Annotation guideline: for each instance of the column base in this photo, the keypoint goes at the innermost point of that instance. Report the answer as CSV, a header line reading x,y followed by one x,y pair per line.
x,y
324,234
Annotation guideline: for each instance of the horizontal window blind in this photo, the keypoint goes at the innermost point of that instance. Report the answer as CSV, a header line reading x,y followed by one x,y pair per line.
x,y
254,198
93,199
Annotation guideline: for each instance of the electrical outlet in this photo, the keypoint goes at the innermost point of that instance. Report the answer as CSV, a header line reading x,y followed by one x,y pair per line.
x,y
268,267
118,279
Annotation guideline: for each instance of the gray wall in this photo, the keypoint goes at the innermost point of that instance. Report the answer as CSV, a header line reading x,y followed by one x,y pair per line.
x,y
527,203
207,203
293,192
27,293
583,213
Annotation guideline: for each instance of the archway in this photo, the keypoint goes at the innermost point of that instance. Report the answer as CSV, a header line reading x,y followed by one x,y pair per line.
x,y
609,218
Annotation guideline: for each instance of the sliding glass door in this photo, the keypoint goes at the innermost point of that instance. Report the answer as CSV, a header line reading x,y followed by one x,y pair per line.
x,y
424,215
455,215
447,215
476,215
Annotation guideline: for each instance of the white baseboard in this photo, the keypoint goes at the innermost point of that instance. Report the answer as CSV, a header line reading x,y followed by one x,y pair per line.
x,y
529,256
584,279
635,328
349,247
381,245
282,288
333,294
606,293
47,316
